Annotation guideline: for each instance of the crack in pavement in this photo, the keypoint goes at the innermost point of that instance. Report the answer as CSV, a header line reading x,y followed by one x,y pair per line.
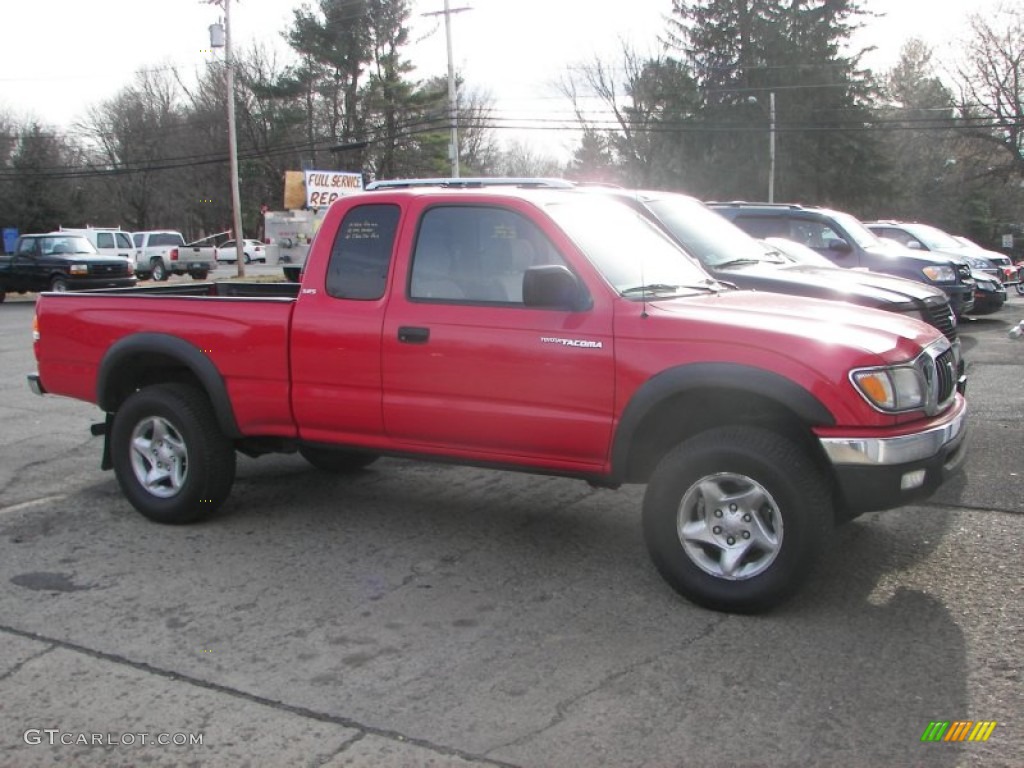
x,y
562,707
304,712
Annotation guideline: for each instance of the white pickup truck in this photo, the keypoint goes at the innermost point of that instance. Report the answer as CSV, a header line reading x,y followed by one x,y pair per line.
x,y
161,253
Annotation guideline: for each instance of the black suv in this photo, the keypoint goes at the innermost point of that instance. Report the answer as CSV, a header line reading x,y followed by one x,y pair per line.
x,y
846,242
59,261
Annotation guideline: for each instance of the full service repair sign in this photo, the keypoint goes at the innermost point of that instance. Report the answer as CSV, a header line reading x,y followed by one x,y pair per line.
x,y
324,187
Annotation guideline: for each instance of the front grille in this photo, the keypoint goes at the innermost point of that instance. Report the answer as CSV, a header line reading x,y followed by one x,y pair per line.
x,y
109,270
940,315
945,377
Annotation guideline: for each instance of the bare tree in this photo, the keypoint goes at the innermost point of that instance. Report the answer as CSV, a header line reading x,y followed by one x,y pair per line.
x,y
990,84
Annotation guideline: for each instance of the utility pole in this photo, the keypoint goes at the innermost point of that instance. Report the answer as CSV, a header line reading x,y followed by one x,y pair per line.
x,y
453,104
771,147
236,199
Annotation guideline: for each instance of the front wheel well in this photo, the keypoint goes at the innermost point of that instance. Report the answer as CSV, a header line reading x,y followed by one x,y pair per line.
x,y
691,412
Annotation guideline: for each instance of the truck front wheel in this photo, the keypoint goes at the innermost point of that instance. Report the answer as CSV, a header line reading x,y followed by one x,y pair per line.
x,y
171,460
734,517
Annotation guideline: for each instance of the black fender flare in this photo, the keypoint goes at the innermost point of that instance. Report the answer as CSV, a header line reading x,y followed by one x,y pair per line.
x,y
680,379
184,352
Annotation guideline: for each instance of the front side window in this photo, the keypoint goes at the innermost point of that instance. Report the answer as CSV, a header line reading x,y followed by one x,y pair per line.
x,y
123,241
361,254
476,254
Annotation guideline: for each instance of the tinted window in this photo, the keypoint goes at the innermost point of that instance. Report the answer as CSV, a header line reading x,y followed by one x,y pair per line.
x,y
361,255
166,238
476,254
137,239
104,240
123,241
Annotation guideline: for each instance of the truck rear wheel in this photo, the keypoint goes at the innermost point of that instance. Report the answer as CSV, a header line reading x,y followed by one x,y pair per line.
x,y
734,517
171,460
336,460
158,270
292,274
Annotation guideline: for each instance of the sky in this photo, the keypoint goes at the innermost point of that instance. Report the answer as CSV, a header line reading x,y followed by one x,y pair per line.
x,y
69,55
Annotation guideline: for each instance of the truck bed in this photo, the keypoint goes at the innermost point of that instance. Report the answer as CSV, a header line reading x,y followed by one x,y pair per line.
x,y
242,329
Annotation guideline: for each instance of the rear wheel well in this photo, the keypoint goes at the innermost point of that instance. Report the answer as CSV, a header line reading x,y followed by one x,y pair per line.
x,y
697,410
142,370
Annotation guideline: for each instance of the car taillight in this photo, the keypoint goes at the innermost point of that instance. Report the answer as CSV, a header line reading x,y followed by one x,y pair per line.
x,y
174,254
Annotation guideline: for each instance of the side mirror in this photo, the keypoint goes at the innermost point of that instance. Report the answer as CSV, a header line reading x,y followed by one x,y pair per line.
x,y
840,246
553,286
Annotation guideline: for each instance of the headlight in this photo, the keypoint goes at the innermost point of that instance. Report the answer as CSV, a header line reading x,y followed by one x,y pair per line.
x,y
79,269
940,274
897,388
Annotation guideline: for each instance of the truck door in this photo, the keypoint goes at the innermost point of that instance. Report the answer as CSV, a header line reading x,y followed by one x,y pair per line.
x,y
336,332
27,274
469,369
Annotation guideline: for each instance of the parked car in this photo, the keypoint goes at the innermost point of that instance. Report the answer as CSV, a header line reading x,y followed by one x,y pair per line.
x,y
59,261
732,256
252,250
846,242
1011,273
989,293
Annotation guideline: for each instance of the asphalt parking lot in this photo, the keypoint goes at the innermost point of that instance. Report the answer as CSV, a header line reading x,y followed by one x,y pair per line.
x,y
426,615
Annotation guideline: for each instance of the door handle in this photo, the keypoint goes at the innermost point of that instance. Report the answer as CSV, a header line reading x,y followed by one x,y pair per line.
x,y
410,335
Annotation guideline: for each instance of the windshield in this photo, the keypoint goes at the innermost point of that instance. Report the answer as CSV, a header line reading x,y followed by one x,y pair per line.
x,y
705,234
934,239
861,235
66,244
628,250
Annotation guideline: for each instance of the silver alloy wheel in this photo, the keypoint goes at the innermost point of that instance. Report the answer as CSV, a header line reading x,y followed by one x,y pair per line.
x,y
159,457
729,526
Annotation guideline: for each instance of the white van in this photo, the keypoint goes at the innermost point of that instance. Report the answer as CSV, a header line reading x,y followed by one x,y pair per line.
x,y
109,241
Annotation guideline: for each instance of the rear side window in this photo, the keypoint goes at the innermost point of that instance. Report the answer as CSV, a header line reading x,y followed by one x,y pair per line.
x,y
361,254
166,238
104,240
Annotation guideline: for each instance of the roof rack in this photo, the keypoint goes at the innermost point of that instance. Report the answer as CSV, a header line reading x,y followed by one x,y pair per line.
x,y
472,183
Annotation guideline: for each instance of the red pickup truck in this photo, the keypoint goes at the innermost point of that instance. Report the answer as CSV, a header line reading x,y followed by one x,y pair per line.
x,y
537,329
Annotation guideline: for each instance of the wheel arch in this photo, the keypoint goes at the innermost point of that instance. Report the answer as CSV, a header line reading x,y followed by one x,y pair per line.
x,y
682,401
152,358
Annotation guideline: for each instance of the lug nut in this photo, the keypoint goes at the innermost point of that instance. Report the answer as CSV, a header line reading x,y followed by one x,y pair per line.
x,y
718,513
717,529
730,540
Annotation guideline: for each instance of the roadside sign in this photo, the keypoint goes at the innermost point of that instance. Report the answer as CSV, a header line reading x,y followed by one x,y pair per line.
x,y
324,187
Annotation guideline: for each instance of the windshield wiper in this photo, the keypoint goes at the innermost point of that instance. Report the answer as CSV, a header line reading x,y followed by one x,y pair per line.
x,y
736,263
709,286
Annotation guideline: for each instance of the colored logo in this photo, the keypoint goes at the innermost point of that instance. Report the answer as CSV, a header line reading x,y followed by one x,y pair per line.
x,y
958,730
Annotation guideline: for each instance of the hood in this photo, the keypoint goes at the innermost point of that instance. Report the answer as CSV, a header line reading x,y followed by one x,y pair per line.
x,y
771,320
857,286
924,258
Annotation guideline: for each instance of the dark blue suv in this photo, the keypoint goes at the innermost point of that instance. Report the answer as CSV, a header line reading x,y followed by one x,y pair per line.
x,y
846,242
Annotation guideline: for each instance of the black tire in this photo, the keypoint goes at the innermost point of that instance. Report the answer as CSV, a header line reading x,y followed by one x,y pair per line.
x,y
1020,288
247,259
59,284
337,460
200,275
751,552
171,425
292,274
158,270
